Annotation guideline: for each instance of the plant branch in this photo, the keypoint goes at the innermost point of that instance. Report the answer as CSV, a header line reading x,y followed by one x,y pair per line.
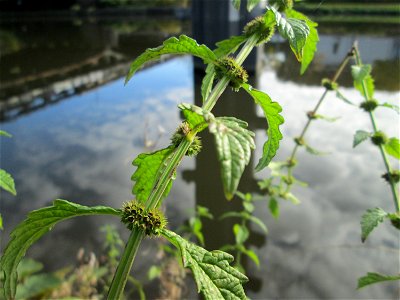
x,y
367,97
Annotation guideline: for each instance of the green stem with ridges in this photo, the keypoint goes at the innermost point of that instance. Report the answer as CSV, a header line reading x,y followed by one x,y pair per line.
x,y
393,185
132,246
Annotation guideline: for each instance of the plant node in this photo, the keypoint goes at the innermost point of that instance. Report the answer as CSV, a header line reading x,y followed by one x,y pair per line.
x,y
258,26
288,180
379,138
227,66
282,4
329,84
393,176
299,141
291,162
195,147
180,134
134,215
369,105
311,115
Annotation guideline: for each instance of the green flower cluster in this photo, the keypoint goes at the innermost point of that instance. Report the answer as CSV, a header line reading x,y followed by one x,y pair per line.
x,y
258,26
227,66
181,133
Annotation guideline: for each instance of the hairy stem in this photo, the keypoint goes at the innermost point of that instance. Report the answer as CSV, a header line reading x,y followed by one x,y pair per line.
x,y
335,77
367,97
131,248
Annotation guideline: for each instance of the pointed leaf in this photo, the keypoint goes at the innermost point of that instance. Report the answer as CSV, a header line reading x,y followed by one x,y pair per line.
x,y
228,46
241,233
392,147
252,255
312,40
173,45
7,182
196,117
295,30
360,137
5,133
325,118
370,220
259,222
274,207
234,144
271,111
145,176
207,83
314,151
340,96
391,106
214,277
372,278
232,214
34,227
236,4
361,74
251,4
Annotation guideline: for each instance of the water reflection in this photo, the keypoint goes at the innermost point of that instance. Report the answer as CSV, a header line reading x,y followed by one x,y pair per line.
x,y
81,149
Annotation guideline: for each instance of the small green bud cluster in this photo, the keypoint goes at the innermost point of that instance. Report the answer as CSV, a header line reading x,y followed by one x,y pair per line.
x,y
392,176
369,105
299,141
134,215
329,84
379,138
181,133
227,66
258,26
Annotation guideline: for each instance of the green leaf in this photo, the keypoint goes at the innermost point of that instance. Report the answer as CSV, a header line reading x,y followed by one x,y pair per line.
x,y
204,212
5,133
391,106
259,222
252,255
173,45
360,137
340,96
251,4
274,119
274,207
325,118
292,198
362,74
148,167
234,143
236,4
241,233
228,46
37,285
34,227
312,40
154,272
232,214
1,222
195,116
314,151
370,220
207,83
7,182
28,267
392,147
372,278
214,277
296,31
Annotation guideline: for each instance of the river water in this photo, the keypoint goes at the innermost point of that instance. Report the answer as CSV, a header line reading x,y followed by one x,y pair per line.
x,y
76,129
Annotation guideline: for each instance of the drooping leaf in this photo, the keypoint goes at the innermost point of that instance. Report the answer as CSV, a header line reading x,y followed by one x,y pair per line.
x,y
372,278
195,116
296,31
271,111
359,137
312,40
392,147
208,81
391,106
274,207
7,182
314,151
145,176
228,46
173,45
35,226
252,255
214,277
371,219
325,118
5,133
259,222
234,143
340,96
361,74
241,233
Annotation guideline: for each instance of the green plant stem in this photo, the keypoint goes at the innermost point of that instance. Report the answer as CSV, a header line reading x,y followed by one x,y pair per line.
x,y
335,77
375,129
131,248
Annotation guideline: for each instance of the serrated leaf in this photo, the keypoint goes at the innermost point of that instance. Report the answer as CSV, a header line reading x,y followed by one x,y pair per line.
x,y
295,30
273,206
145,176
5,133
359,137
241,233
391,106
34,227
370,220
214,277
274,119
234,144
7,182
195,116
207,82
392,147
372,278
173,45
361,74
228,46
312,40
